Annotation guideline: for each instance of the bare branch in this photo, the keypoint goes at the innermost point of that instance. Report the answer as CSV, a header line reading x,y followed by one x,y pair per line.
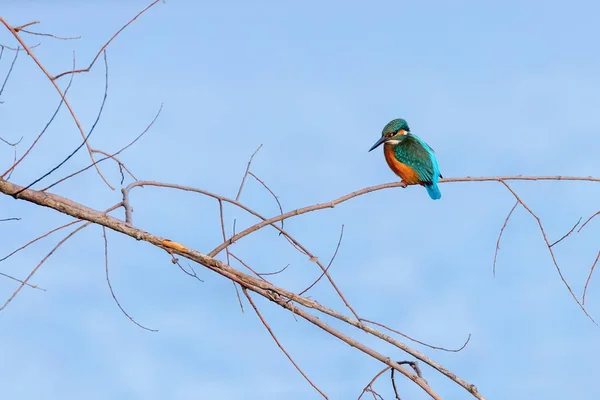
x,y
10,219
543,231
112,292
105,45
239,193
107,157
9,72
500,237
588,220
566,234
85,140
418,341
280,345
275,294
41,133
39,238
589,278
328,265
60,92
20,281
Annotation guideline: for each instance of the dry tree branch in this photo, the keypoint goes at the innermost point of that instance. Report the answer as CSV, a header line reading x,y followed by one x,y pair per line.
x,y
37,267
274,272
15,33
588,220
589,278
57,88
112,292
369,387
62,101
566,234
414,366
543,231
219,198
193,274
23,282
500,237
342,199
12,65
239,193
10,219
105,45
85,140
266,325
107,157
39,238
337,247
418,341
275,294
18,48
50,35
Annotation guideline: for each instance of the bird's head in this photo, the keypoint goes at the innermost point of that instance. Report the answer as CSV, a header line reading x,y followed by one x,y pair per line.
x,y
393,133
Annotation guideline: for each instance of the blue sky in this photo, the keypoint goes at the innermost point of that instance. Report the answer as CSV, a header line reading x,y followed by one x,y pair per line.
x,y
496,88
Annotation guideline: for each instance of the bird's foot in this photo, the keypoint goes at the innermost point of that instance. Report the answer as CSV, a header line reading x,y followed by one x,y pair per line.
x,y
403,184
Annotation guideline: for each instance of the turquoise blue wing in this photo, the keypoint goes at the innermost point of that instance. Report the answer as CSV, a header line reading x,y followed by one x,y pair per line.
x,y
415,153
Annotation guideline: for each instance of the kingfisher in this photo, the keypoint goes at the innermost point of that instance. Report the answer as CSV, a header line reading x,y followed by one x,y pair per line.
x,y
410,157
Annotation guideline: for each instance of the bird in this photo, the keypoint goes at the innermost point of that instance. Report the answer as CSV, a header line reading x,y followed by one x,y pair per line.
x,y
409,157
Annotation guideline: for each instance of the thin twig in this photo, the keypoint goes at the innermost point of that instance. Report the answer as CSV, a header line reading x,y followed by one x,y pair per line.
x,y
193,274
50,35
40,134
85,140
37,267
222,218
418,341
60,92
9,72
112,292
105,44
589,278
414,366
275,272
39,238
328,265
543,231
264,322
588,220
10,219
369,387
112,155
20,281
270,191
500,237
566,234
239,193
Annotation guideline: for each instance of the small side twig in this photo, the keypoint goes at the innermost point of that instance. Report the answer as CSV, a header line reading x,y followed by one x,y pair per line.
x,y
112,292
566,234
500,237
337,247
266,325
418,341
589,278
239,193
414,366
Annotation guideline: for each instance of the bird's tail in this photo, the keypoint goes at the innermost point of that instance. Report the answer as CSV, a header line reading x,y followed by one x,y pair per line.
x,y
433,191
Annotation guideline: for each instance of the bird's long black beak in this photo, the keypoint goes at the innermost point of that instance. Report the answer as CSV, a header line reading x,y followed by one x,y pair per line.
x,y
378,143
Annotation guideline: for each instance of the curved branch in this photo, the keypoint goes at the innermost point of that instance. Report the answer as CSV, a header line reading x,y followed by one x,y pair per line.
x,y
273,293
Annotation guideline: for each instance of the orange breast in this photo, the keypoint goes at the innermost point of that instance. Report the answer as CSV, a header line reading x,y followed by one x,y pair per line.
x,y
405,172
